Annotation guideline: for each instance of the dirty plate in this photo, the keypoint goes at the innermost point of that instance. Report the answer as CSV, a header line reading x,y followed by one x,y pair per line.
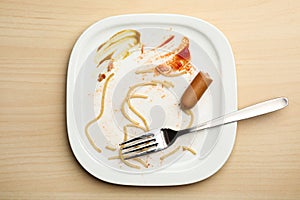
x,y
126,75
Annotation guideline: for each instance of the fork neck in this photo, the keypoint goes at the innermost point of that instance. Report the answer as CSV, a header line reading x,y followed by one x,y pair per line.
x,y
193,129
169,134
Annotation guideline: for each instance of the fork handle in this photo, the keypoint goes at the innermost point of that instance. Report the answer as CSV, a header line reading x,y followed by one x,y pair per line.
x,y
245,113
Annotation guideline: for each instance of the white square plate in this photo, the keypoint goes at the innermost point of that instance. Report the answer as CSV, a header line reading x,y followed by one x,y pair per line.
x,y
210,51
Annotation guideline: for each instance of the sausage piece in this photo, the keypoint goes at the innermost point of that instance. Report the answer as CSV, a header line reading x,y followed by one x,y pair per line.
x,y
195,90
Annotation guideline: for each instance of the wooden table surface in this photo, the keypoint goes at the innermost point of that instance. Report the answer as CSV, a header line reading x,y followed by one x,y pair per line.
x,y
36,38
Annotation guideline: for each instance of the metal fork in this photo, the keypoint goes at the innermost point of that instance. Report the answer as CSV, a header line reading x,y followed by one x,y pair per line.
x,y
159,139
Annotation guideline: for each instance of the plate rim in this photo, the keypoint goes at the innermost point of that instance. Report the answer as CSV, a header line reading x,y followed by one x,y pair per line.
x,y
163,177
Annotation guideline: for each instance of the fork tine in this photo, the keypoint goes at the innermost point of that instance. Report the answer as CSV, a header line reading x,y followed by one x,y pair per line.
x,y
140,154
140,148
139,143
137,138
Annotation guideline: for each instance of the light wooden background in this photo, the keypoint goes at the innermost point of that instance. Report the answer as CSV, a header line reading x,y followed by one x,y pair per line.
x,y
36,38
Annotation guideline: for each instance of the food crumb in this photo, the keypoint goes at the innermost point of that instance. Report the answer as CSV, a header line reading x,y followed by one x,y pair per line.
x,y
142,49
110,66
101,77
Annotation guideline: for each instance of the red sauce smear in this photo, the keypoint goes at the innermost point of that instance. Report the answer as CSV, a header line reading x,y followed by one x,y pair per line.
x,y
110,66
181,61
142,49
166,41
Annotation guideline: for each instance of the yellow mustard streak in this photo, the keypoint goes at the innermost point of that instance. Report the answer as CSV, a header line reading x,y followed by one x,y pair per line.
x,y
99,115
110,50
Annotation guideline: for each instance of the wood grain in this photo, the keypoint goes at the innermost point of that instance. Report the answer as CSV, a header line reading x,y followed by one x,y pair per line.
x,y
36,38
